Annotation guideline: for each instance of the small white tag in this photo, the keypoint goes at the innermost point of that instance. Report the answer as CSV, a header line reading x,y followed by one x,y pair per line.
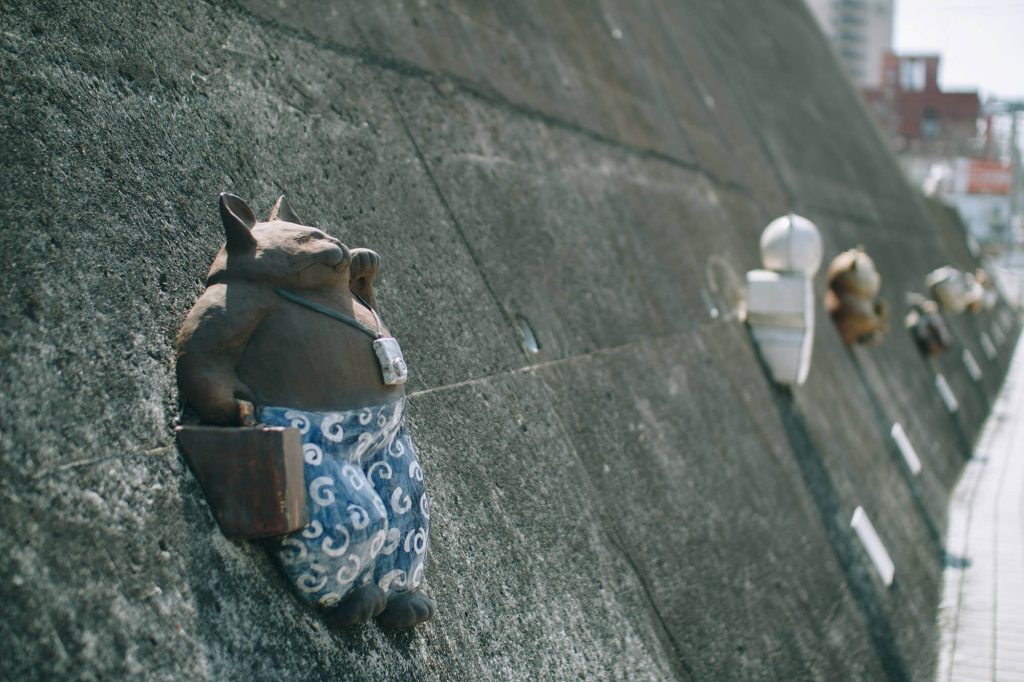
x,y
946,393
998,334
392,364
879,556
987,346
972,365
906,449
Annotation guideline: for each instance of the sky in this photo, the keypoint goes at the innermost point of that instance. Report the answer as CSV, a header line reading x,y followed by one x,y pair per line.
x,y
981,42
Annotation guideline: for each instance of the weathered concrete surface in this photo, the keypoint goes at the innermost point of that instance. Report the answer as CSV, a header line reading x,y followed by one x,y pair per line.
x,y
636,500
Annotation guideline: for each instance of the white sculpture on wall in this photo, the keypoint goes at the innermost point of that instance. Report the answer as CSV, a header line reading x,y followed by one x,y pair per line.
x,y
780,298
956,291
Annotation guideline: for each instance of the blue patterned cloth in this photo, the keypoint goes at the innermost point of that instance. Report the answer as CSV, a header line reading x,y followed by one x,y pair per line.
x,y
369,515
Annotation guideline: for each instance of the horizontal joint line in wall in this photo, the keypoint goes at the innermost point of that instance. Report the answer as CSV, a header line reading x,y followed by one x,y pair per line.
x,y
529,369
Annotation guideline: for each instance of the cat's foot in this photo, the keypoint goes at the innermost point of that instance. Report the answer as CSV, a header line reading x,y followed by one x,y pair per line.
x,y
362,270
365,264
405,610
364,603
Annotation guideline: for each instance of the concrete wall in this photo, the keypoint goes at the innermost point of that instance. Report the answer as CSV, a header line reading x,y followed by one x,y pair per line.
x,y
634,501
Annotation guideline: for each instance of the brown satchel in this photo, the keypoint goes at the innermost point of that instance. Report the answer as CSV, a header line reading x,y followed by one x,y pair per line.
x,y
252,477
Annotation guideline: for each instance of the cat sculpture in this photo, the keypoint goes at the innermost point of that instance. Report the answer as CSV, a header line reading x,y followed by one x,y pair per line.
x,y
288,334
926,326
852,299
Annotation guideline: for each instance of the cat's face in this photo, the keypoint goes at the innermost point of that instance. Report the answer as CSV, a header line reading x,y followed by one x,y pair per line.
x,y
297,255
280,251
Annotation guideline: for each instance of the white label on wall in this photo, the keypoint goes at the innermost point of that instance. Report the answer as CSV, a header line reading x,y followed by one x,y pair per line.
x,y
946,393
861,525
906,449
998,334
972,365
987,346
1005,321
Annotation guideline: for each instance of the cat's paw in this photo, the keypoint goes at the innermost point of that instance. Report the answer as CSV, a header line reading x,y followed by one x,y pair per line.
x,y
364,603
406,610
365,264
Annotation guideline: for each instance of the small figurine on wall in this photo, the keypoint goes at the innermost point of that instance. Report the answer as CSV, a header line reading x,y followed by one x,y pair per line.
x,y
288,334
957,291
780,298
852,299
988,294
926,326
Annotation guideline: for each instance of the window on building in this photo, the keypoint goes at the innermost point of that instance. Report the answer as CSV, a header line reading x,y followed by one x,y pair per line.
x,y
930,126
912,75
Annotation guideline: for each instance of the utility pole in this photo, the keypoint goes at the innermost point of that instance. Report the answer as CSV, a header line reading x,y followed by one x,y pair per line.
x,y
1015,220
1011,259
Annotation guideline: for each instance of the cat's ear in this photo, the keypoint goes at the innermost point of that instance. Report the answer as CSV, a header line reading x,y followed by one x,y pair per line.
x,y
283,211
238,221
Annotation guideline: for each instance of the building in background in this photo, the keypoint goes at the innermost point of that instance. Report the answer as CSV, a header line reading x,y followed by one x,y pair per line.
x,y
949,144
980,189
915,114
860,32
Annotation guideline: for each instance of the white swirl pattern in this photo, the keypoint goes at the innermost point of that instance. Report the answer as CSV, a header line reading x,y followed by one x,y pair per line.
x,y
350,571
394,538
317,493
294,551
415,472
358,516
297,420
400,503
312,453
328,545
329,599
356,478
377,543
363,445
312,582
378,506
332,429
314,530
369,513
385,470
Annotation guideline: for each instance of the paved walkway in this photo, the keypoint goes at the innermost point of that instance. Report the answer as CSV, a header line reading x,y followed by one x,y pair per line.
x,y
981,617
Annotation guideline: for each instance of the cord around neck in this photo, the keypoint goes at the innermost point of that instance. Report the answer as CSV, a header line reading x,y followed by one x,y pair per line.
x,y
329,312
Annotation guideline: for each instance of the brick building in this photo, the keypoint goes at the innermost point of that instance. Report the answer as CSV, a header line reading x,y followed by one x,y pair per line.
x,y
916,115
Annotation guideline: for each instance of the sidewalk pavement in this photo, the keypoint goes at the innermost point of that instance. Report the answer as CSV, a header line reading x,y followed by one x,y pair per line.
x,y
981,617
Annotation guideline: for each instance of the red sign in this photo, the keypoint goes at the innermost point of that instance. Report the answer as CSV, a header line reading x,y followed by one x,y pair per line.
x,y
988,177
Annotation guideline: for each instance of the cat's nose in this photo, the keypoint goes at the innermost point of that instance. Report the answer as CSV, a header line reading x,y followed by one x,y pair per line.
x,y
345,258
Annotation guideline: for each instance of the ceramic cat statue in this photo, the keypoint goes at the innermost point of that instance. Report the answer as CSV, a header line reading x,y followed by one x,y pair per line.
x,y
288,334
926,326
852,299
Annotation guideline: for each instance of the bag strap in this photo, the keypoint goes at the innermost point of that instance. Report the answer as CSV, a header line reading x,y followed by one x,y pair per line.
x,y
329,312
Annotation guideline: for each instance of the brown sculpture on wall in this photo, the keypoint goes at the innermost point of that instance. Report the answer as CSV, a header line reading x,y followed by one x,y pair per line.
x,y
288,335
926,326
243,344
852,299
